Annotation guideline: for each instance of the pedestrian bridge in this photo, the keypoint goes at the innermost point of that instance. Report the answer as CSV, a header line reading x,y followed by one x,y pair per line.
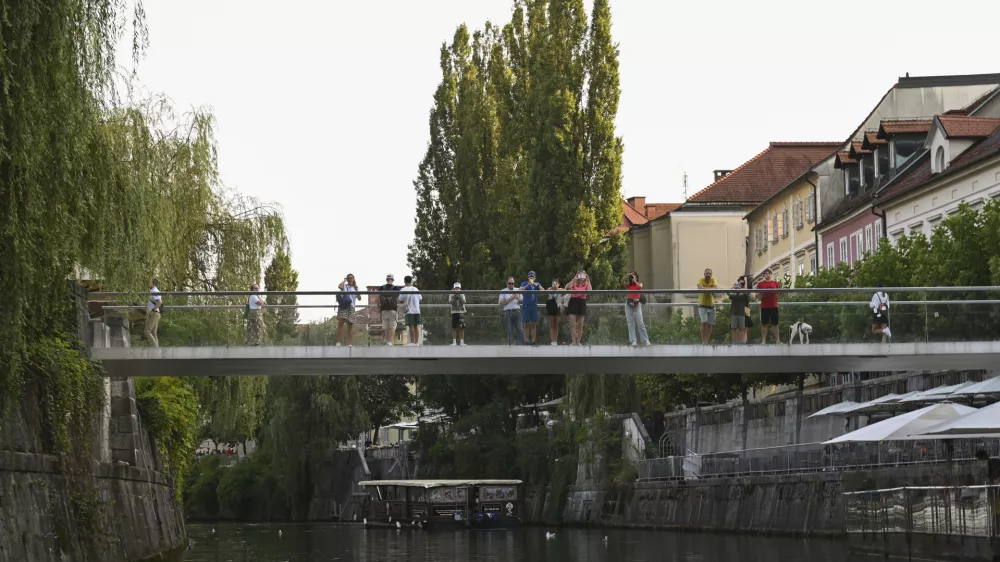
x,y
526,360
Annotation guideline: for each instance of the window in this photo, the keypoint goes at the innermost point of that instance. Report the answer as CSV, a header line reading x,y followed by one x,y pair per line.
x,y
905,147
830,262
878,234
800,266
882,160
843,251
852,176
784,223
868,239
811,207
938,160
764,241
813,266
798,214
868,171
859,247
774,228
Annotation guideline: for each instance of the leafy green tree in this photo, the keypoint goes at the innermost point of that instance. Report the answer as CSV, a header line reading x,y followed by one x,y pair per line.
x,y
279,276
386,399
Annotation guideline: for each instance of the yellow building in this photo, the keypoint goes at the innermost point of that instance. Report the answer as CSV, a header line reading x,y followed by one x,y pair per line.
x,y
781,228
709,230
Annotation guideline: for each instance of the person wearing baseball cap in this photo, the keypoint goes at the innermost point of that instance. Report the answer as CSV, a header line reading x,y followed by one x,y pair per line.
x,y
529,308
456,300
389,304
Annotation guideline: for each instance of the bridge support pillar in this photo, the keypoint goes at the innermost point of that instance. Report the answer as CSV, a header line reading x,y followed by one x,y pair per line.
x,y
123,427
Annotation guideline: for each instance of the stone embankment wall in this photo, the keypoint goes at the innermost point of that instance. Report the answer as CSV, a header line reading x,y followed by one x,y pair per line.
x,y
136,510
809,504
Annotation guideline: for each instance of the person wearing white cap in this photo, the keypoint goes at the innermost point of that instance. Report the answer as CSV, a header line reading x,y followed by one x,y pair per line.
x,y
457,302
389,304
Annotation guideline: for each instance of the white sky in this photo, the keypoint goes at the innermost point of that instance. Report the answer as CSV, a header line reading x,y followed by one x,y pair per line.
x,y
322,105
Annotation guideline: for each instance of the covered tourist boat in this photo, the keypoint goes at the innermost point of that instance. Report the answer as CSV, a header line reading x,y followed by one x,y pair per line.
x,y
431,504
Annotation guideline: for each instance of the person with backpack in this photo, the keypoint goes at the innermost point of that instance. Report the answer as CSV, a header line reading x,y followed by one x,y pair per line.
x,y
388,305
346,314
456,301
880,314
256,329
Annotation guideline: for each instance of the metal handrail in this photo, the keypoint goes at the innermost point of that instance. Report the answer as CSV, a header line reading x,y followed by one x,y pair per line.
x,y
591,304
562,292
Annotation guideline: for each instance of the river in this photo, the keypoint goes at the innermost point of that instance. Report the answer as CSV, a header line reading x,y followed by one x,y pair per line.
x,y
328,543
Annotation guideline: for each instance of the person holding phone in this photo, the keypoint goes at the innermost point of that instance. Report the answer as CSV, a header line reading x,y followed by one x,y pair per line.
x,y
633,309
554,310
739,310
510,302
346,303
577,308
529,308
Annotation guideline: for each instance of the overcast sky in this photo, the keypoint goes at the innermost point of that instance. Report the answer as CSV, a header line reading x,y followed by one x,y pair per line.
x,y
322,105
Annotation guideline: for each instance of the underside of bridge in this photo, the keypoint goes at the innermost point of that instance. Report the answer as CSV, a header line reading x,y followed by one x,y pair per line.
x,y
522,360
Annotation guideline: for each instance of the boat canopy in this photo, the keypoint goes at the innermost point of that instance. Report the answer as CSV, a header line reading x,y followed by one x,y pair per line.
x,y
438,483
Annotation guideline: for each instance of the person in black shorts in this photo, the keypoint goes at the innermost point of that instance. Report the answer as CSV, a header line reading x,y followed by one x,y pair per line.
x,y
553,310
577,308
456,300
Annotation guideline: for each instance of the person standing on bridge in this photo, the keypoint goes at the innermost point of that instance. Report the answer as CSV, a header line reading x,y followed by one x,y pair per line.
x,y
410,297
769,308
388,305
529,308
510,302
706,306
255,318
153,314
577,308
633,309
880,314
456,300
553,307
739,310
346,310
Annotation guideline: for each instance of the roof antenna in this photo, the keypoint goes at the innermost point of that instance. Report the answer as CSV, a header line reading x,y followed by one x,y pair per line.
x,y
685,184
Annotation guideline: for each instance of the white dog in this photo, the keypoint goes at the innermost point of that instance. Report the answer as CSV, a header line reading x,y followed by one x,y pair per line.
x,y
802,330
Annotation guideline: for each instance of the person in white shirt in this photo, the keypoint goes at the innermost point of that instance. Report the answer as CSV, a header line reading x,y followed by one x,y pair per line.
x,y
410,297
153,314
880,314
256,329
510,302
346,314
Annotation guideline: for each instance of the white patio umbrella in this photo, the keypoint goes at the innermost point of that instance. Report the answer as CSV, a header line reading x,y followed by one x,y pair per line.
x,y
935,394
905,426
835,409
981,422
988,386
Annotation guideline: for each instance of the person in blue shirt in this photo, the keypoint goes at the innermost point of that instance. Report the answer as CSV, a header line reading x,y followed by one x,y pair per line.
x,y
529,308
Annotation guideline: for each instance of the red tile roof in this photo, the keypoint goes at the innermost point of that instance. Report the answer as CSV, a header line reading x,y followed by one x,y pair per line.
x,y
765,174
960,126
857,151
872,140
844,159
903,126
633,217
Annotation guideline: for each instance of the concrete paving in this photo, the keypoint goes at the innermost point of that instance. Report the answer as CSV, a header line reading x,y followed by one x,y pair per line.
x,y
606,359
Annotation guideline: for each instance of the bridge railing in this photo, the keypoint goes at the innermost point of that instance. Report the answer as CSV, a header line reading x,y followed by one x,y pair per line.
x,y
815,457
670,317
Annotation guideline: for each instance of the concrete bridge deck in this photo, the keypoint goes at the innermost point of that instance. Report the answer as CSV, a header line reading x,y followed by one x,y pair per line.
x,y
520,360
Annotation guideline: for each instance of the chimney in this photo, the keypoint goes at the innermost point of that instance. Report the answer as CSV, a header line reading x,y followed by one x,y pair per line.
x,y
719,174
638,203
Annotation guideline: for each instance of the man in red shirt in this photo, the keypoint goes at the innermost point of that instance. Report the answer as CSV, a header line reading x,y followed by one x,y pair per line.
x,y
769,308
